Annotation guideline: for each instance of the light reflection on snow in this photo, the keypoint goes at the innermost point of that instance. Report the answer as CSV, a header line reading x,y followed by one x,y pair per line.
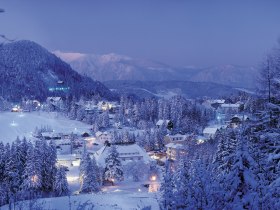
x,y
13,124
72,178
21,115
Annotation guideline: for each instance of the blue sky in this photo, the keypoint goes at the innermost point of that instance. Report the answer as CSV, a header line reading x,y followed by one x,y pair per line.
x,y
177,32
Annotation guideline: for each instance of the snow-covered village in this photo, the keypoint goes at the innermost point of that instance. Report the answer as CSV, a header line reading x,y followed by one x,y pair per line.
x,y
83,131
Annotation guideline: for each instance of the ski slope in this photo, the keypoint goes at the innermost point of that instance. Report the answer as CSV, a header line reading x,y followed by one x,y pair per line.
x,y
23,124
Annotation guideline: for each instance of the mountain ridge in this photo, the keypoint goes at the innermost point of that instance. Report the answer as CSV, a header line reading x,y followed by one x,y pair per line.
x,y
119,67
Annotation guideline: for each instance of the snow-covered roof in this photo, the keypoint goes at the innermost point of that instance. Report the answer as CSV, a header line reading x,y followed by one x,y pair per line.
x,y
125,150
50,134
219,101
241,117
174,146
210,130
178,135
54,98
98,133
230,105
67,157
161,122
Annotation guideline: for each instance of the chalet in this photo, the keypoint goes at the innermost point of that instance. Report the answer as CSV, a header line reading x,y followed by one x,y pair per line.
x,y
213,103
103,137
127,153
55,102
105,105
50,135
237,119
167,123
68,160
230,108
175,150
176,138
210,132
90,110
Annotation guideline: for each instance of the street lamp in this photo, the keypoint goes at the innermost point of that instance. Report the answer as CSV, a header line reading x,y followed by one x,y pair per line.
x,y
153,178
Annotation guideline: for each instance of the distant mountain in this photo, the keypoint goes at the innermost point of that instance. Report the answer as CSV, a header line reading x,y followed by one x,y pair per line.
x,y
167,89
117,67
27,69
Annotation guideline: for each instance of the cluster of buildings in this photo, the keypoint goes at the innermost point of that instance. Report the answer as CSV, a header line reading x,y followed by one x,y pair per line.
x,y
227,115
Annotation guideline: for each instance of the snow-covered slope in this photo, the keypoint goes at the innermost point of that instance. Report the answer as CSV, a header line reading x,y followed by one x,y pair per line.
x,y
27,69
15,125
117,67
103,201
167,89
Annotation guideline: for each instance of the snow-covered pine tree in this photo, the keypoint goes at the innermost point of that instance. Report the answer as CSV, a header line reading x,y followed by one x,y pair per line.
x,y
241,183
73,110
113,169
167,187
80,113
2,161
49,166
60,187
90,176
181,179
12,167
105,119
32,179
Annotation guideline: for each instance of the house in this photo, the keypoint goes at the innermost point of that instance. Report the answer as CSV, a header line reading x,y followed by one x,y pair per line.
x,y
213,103
200,139
175,150
68,160
16,108
127,153
176,138
103,137
105,105
237,119
210,132
230,108
55,103
167,123
50,135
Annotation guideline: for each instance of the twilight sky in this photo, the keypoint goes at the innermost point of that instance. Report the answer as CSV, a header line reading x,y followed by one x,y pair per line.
x,y
177,32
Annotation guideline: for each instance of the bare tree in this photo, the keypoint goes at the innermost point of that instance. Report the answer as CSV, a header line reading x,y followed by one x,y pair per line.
x,y
269,77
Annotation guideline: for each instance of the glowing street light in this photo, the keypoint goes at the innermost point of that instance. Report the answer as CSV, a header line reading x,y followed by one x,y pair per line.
x,y
153,178
34,179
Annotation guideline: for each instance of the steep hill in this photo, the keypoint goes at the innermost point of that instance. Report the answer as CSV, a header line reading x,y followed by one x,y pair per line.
x,y
27,69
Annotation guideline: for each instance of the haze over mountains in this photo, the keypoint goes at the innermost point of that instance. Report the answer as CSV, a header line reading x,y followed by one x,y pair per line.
x,y
117,67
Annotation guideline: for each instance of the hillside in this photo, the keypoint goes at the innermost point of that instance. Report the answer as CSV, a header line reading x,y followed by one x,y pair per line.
x,y
168,89
29,70
117,67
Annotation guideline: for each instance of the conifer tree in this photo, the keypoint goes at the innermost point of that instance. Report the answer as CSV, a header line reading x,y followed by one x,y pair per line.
x,y
61,185
113,169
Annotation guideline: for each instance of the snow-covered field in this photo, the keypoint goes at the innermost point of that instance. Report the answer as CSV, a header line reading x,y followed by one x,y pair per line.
x,y
23,124
101,201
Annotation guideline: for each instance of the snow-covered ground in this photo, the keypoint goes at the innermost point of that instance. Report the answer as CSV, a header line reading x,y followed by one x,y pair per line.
x,y
23,124
103,201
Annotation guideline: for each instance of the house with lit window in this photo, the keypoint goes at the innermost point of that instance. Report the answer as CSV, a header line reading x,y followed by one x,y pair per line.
x,y
174,150
177,138
127,153
103,137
